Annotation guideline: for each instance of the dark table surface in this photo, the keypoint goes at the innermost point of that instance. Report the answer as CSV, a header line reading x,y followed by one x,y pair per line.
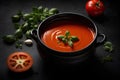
x,y
107,24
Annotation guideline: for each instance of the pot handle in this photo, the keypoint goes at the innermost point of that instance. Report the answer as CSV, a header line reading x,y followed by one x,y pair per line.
x,y
101,38
34,34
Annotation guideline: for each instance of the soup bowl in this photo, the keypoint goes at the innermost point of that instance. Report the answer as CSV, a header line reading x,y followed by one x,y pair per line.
x,y
62,55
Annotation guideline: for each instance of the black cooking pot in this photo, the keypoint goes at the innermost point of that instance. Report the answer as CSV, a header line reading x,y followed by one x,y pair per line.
x,y
66,57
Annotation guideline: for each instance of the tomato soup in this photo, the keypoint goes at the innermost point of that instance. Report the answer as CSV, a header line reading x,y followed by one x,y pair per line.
x,y
84,33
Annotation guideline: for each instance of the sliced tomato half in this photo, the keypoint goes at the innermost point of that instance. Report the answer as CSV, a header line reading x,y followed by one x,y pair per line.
x,y
19,61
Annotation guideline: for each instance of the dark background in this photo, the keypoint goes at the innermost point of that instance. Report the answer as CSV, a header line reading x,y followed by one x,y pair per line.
x,y
107,24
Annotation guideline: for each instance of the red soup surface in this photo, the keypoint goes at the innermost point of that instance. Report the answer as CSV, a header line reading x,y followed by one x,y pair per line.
x,y
83,32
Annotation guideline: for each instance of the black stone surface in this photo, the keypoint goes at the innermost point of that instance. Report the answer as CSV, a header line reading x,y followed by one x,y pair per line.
x,y
108,24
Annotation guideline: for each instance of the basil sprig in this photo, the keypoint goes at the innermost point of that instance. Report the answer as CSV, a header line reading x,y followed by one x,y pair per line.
x,y
67,38
108,47
24,23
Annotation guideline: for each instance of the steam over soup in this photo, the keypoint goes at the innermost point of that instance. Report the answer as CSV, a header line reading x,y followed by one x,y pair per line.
x,y
82,31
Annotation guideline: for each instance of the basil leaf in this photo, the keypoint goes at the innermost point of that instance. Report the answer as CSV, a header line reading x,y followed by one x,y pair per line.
x,y
64,40
46,10
35,26
25,27
42,18
53,11
40,9
16,18
18,33
9,38
107,48
108,44
60,37
74,38
67,33
26,16
70,43
28,34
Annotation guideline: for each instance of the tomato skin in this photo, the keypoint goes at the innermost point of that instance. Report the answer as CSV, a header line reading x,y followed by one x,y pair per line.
x,y
94,7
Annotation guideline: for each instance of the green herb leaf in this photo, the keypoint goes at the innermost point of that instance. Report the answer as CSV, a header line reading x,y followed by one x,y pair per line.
x,y
28,34
70,43
108,46
40,9
67,33
26,16
9,38
42,18
16,18
46,10
53,11
74,38
108,43
60,37
25,27
18,33
35,26
64,40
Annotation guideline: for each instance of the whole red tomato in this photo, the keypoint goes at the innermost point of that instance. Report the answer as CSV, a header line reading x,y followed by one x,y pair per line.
x,y
95,7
